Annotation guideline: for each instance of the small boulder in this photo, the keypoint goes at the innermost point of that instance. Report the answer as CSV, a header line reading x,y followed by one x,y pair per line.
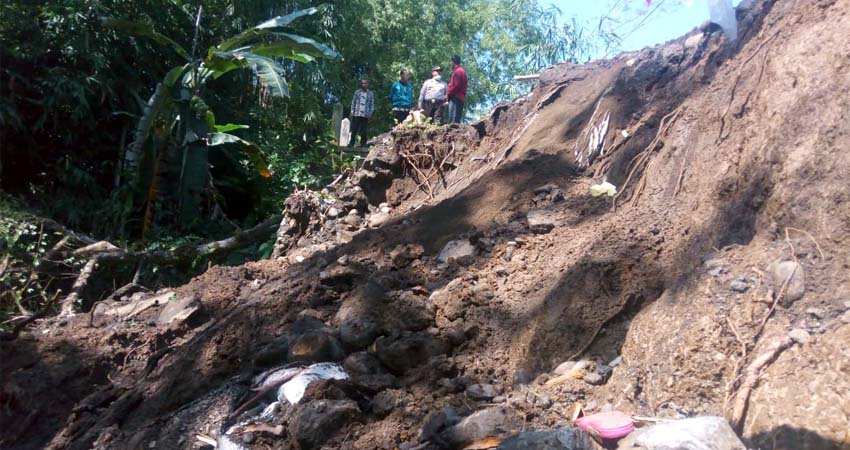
x,y
408,351
385,402
567,438
781,271
740,285
696,433
352,220
378,219
460,251
436,422
498,422
316,422
315,346
800,336
359,332
541,220
594,379
186,310
482,392
405,254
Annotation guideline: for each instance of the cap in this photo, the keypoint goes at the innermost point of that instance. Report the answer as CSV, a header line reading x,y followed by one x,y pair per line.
x,y
437,69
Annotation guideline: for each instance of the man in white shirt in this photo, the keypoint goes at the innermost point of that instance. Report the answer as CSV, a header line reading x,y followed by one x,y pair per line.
x,y
432,96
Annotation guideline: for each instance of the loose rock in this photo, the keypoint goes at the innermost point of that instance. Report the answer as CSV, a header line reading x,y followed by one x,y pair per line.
x,y
187,310
460,251
800,336
436,422
385,402
482,392
315,346
740,285
318,421
697,433
780,271
594,379
568,438
498,422
541,220
408,351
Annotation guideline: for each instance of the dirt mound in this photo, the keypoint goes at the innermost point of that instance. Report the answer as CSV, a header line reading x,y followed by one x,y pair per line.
x,y
455,276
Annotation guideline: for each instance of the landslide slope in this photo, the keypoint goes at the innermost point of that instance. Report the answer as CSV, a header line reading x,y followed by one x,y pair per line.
x,y
729,160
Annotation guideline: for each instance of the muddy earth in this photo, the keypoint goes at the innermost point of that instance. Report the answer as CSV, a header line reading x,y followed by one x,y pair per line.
x,y
473,293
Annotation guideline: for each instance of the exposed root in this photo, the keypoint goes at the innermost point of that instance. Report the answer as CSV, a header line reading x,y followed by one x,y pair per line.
x,y
736,82
642,160
751,377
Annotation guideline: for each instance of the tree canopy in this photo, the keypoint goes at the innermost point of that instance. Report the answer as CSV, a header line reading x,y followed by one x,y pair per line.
x,y
79,82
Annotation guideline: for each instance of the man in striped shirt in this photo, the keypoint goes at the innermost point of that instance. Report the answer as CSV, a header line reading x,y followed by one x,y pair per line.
x,y
362,107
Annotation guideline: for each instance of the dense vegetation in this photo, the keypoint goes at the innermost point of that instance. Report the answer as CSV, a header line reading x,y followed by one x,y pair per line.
x,y
154,123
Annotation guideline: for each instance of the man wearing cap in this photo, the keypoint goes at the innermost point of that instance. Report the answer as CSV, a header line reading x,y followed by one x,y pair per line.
x,y
432,96
362,107
401,96
457,91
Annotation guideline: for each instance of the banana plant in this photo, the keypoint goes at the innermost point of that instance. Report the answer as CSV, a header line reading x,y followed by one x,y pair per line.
x,y
177,108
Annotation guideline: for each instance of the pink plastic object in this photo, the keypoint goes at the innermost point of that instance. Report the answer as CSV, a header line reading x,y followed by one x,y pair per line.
x,y
608,425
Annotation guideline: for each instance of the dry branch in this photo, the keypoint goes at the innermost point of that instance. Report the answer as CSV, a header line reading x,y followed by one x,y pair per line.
x,y
12,335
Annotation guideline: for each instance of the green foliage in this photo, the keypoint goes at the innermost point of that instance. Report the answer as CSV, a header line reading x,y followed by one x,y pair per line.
x,y
108,108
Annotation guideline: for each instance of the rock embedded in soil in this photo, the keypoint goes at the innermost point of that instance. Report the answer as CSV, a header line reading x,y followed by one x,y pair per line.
x,y
316,422
315,346
740,285
186,310
800,336
594,379
781,271
436,422
482,392
499,422
408,351
385,402
359,331
403,255
460,251
541,220
567,438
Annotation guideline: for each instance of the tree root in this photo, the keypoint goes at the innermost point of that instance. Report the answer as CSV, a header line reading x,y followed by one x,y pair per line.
x,y
751,377
642,160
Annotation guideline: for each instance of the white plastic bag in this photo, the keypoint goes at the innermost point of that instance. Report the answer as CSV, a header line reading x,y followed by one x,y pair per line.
x,y
723,13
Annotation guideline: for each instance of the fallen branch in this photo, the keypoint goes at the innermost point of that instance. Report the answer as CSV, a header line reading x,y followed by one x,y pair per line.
x,y
12,335
79,285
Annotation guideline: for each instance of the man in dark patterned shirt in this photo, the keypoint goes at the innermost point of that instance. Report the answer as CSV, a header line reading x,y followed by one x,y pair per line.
x,y
362,107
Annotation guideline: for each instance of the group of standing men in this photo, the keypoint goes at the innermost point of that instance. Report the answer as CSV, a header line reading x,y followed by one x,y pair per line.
x,y
435,98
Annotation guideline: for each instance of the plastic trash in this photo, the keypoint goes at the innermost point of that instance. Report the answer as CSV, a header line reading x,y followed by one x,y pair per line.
x,y
608,425
344,133
293,390
723,13
604,188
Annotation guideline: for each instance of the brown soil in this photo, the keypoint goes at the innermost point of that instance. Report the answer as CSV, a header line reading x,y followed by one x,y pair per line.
x,y
750,170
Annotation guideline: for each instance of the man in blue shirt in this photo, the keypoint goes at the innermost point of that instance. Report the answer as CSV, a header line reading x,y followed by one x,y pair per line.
x,y
362,107
401,96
